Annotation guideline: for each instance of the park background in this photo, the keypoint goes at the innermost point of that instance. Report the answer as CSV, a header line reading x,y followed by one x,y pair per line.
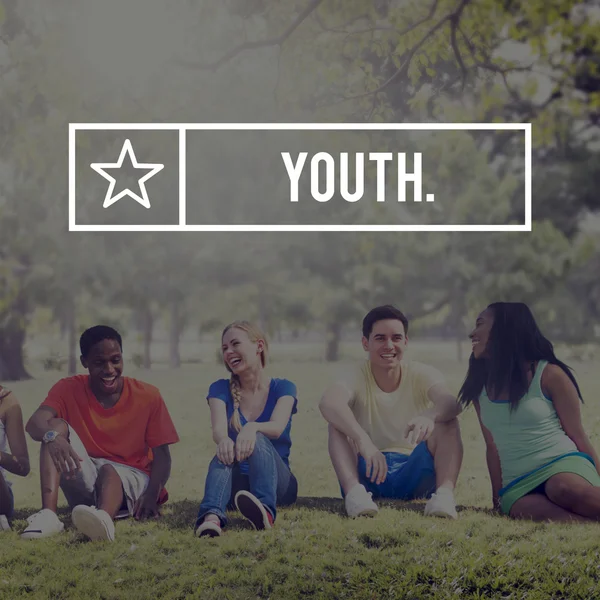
x,y
170,294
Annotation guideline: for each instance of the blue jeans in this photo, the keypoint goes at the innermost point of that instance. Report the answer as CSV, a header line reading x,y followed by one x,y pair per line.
x,y
268,478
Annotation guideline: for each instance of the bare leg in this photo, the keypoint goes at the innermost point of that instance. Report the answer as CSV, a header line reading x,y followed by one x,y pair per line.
x,y
343,458
446,447
49,475
5,497
575,494
538,507
109,490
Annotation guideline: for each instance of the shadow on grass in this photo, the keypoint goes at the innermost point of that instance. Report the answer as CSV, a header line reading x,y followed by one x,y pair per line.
x,y
181,515
336,505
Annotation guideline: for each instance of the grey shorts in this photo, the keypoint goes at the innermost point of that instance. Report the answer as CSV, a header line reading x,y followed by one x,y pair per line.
x,y
81,489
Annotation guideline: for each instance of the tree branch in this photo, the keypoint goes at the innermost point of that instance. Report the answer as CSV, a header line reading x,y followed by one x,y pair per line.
x,y
454,24
277,41
374,28
325,27
404,66
453,41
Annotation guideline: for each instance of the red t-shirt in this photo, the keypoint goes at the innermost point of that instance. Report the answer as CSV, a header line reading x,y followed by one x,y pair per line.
x,y
124,433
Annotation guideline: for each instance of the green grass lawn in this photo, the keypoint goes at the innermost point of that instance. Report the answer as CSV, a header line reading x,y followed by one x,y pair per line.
x,y
314,550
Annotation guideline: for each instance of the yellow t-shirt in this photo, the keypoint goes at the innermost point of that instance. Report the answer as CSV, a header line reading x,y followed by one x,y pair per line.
x,y
383,415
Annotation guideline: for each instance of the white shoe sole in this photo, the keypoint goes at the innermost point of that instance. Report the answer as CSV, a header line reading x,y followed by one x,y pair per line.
x,y
37,534
365,512
87,521
441,513
208,529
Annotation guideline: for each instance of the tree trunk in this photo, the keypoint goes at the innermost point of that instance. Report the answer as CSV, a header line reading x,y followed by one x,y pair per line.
x,y
71,328
174,357
12,340
148,326
332,352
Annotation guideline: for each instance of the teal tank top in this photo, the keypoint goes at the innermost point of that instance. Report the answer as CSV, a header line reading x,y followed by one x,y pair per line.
x,y
529,437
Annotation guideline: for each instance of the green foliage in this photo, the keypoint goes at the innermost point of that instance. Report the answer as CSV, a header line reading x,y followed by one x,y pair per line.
x,y
55,361
137,360
347,60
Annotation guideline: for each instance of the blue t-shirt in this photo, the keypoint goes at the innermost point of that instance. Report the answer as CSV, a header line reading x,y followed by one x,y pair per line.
x,y
277,389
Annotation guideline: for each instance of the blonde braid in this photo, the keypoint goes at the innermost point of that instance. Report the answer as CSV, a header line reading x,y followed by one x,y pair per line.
x,y
254,334
236,394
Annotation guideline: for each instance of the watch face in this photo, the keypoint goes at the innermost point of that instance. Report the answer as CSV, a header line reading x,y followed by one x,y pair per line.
x,y
50,436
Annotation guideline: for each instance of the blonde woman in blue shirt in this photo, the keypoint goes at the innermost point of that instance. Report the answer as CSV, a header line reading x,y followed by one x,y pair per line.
x,y
542,465
251,416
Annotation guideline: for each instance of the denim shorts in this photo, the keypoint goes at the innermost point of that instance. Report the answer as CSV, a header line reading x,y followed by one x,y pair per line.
x,y
409,476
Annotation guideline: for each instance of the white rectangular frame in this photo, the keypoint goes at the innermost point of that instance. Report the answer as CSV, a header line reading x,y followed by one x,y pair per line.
x,y
183,128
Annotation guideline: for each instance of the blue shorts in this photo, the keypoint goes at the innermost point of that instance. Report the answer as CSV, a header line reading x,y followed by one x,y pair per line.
x,y
409,477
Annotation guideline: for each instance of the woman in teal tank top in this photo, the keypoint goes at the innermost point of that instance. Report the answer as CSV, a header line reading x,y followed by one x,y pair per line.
x,y
541,463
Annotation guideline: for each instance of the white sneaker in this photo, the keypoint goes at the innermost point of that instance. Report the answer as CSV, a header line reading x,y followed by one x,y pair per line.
x,y
41,524
94,523
441,504
359,502
4,524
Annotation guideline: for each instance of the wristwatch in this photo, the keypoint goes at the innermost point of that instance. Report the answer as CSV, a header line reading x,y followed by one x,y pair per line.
x,y
50,436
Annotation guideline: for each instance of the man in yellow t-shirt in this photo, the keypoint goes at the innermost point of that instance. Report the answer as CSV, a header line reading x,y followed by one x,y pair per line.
x,y
393,427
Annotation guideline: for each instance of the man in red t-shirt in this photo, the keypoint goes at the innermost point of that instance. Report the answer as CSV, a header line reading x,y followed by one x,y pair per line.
x,y
105,442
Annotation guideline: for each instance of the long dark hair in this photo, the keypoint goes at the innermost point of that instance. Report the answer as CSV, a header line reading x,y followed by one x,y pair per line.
x,y
514,343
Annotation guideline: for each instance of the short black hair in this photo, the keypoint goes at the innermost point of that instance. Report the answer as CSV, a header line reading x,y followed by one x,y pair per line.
x,y
90,337
381,313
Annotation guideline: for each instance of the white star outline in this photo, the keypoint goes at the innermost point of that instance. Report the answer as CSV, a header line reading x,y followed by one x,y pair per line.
x,y
109,199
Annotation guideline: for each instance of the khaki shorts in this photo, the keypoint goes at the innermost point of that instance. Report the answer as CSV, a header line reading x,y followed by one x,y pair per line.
x,y
81,489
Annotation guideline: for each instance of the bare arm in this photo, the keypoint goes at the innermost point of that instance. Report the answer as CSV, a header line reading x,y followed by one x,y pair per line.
x,y
557,386
492,458
65,459
246,439
445,407
218,420
17,461
335,408
37,425
146,505
279,419
220,431
160,470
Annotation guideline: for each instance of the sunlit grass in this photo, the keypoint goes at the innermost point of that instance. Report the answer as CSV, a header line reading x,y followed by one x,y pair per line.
x,y
314,550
